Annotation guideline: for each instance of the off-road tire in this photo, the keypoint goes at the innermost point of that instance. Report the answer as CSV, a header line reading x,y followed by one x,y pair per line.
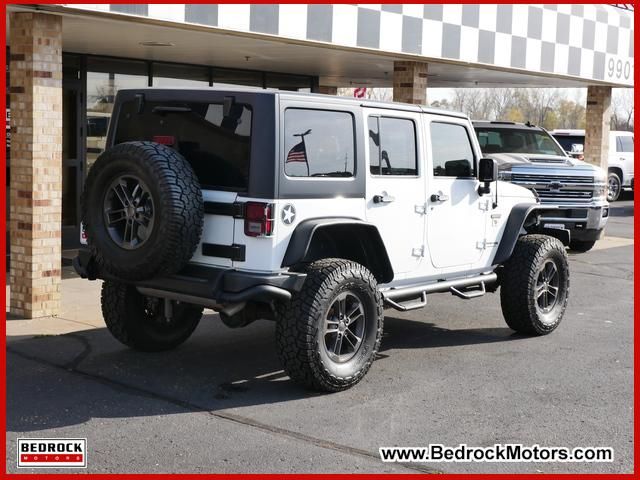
x,y
132,321
613,196
518,280
178,210
300,322
581,246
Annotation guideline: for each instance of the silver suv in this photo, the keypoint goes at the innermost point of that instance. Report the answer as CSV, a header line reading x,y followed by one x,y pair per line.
x,y
529,156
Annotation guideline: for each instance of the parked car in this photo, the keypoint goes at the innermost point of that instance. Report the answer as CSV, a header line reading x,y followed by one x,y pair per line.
x,y
311,210
620,160
528,156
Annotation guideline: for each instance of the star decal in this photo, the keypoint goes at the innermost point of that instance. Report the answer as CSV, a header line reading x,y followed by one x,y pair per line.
x,y
288,214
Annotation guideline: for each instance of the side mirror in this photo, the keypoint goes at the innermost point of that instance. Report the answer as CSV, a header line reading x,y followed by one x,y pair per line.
x,y
487,173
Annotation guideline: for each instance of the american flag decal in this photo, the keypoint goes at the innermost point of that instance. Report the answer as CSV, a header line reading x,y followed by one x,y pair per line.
x,y
297,154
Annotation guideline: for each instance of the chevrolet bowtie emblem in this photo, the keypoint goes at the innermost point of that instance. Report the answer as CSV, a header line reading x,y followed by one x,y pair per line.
x,y
554,186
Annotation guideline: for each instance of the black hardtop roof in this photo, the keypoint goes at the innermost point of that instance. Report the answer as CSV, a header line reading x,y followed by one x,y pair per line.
x,y
505,125
315,97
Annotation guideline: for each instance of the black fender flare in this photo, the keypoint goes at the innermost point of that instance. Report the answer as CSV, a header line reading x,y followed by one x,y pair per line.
x,y
298,250
517,218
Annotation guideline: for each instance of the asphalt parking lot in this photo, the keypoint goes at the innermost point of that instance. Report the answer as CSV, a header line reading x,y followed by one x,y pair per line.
x,y
452,373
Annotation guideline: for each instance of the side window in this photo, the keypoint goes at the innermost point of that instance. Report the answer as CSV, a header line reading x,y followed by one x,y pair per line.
x,y
318,143
451,151
392,146
625,144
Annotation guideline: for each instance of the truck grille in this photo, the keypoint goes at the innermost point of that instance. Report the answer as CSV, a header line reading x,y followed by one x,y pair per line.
x,y
558,189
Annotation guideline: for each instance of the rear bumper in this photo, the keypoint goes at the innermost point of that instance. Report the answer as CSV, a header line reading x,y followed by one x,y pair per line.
x,y
584,223
207,286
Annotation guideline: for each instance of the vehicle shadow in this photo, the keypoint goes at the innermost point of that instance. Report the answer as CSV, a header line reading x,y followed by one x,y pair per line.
x,y
620,209
57,381
400,333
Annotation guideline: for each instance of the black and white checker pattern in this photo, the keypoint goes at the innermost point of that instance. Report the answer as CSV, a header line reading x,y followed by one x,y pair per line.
x,y
586,41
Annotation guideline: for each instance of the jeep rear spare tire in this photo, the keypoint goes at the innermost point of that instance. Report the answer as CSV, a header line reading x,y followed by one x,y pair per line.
x,y
142,210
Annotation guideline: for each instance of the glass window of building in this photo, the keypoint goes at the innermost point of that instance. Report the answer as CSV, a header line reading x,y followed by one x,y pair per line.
x,y
294,83
223,77
104,78
176,75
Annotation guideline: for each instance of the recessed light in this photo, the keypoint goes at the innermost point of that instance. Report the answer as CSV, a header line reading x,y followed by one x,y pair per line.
x,y
157,44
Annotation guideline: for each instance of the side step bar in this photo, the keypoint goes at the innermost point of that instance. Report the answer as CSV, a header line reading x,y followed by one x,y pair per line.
x,y
395,296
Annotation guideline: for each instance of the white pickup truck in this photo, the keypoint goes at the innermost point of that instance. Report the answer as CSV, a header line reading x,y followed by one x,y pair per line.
x,y
620,160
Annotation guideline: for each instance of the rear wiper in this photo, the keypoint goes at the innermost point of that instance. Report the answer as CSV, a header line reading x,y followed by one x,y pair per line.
x,y
163,109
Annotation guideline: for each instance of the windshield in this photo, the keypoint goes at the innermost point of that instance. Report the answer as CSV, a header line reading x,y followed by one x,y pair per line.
x,y
512,140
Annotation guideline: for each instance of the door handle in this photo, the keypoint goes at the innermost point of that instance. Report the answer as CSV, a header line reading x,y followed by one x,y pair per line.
x,y
439,197
383,198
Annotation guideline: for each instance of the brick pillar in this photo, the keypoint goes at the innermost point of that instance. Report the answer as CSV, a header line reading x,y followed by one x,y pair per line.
x,y
327,90
36,163
410,82
598,119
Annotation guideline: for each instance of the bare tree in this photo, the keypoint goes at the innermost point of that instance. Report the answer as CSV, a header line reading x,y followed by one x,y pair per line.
x,y
475,102
622,106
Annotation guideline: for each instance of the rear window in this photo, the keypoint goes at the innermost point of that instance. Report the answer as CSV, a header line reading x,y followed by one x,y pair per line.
x,y
624,144
568,141
218,147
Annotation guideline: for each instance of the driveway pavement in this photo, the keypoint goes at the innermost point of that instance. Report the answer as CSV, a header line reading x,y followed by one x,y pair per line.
x,y
451,373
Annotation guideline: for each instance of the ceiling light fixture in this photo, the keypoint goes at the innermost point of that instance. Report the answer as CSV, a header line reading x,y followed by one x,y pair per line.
x,y
157,44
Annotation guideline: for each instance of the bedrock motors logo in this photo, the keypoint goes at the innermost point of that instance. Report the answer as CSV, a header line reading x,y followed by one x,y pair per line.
x,y
52,452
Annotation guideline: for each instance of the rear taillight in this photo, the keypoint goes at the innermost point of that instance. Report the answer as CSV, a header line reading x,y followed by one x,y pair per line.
x,y
258,219
168,140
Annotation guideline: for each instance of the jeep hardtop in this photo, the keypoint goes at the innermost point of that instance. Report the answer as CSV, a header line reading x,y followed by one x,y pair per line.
x,y
314,211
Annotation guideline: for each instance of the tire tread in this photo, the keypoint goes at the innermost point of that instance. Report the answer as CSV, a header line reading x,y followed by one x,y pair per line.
x,y
516,278
181,200
296,330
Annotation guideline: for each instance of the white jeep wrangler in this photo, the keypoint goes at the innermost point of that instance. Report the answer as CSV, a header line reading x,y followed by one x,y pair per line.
x,y
313,211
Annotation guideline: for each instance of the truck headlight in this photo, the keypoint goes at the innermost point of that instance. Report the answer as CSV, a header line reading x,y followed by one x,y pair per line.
x,y
600,191
504,175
